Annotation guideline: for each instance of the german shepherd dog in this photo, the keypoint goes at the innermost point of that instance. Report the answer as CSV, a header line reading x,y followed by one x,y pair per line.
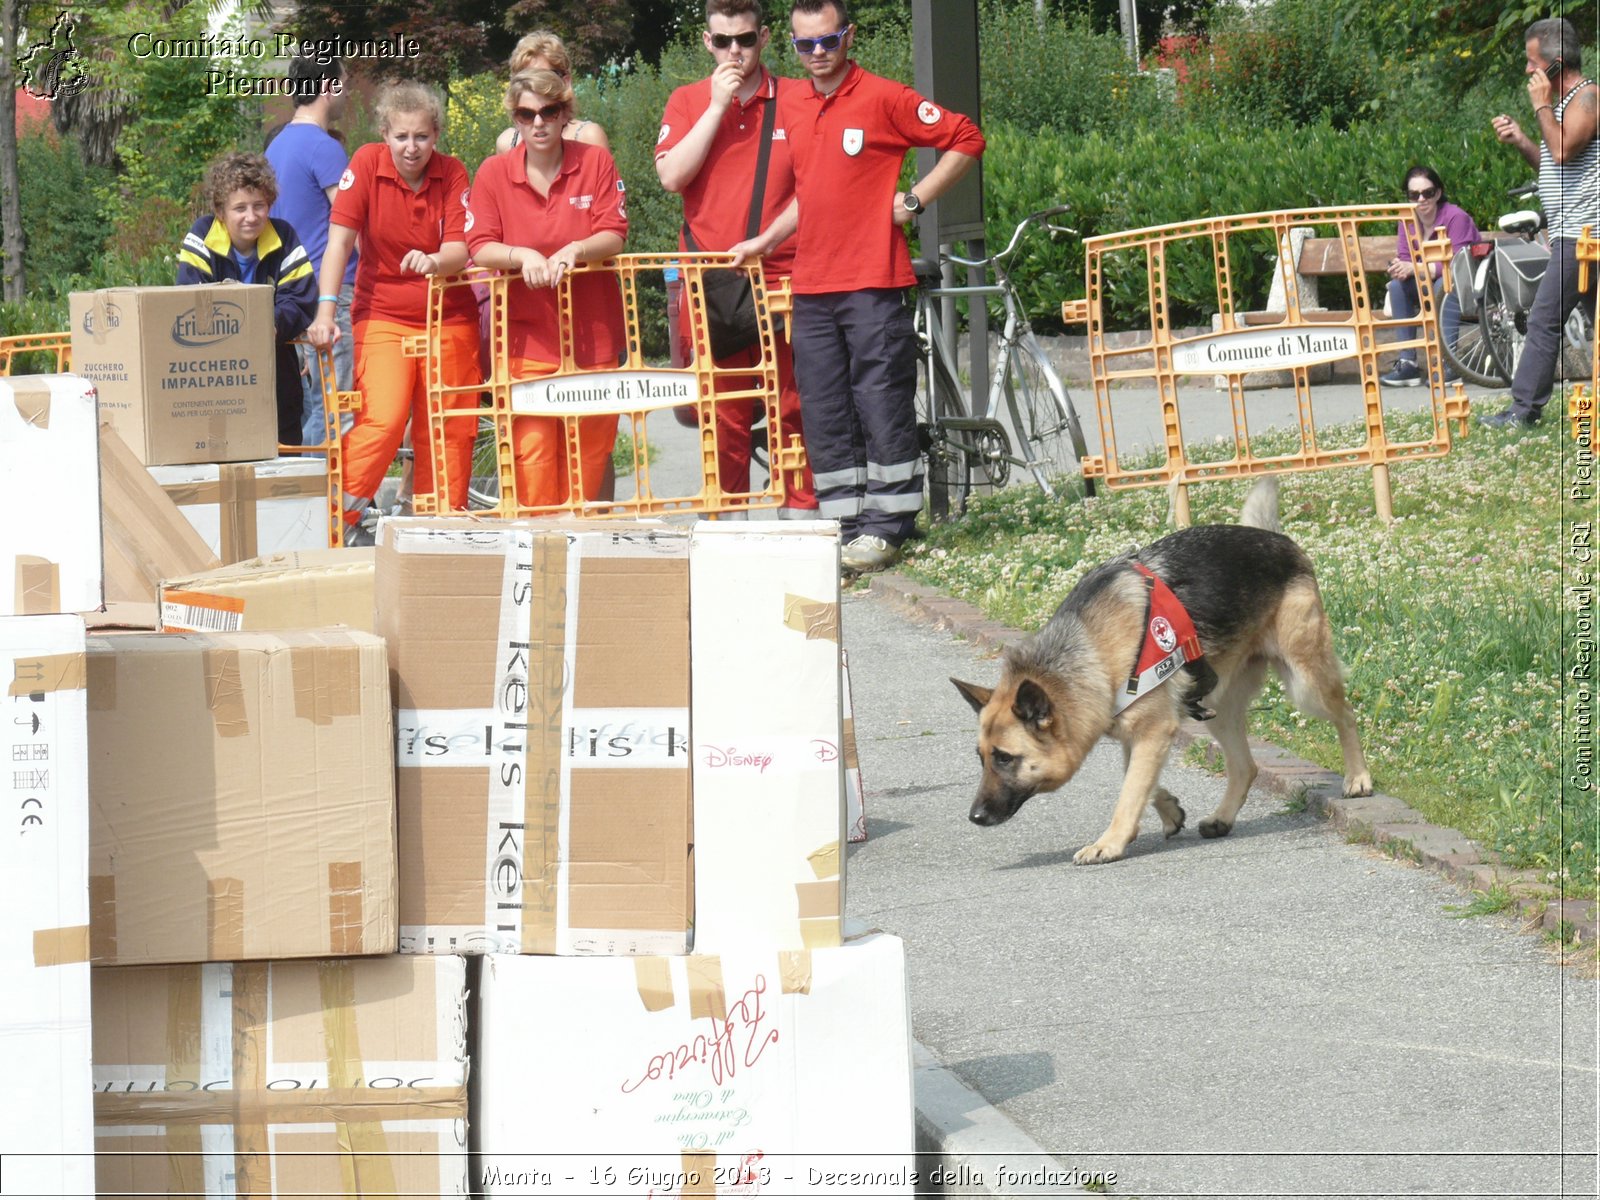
x,y
1253,597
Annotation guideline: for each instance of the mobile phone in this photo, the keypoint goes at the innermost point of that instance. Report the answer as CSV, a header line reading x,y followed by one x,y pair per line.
x,y
1553,70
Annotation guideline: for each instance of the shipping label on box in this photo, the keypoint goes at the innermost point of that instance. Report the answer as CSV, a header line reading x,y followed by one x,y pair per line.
x,y
45,1120
243,510
748,1073
339,1077
185,374
50,549
302,589
768,736
242,796
542,685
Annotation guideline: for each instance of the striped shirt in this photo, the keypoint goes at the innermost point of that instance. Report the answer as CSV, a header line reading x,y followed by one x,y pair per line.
x,y
1570,192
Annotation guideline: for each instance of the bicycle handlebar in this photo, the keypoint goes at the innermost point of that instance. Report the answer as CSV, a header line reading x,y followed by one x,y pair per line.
x,y
1526,189
1016,237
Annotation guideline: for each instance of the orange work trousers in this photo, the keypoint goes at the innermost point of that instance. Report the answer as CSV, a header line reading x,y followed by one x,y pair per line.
x,y
394,389
539,445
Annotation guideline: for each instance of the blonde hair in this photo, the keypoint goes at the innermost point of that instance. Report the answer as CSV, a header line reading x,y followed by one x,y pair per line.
x,y
546,85
542,44
409,97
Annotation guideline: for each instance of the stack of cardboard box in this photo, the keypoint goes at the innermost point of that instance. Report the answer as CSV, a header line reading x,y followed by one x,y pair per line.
x,y
588,779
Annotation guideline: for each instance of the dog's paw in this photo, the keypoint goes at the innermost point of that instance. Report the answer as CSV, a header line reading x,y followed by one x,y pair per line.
x,y
1213,828
1098,852
1177,827
1358,785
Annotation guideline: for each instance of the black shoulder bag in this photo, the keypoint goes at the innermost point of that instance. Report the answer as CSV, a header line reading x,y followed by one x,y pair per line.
x,y
729,299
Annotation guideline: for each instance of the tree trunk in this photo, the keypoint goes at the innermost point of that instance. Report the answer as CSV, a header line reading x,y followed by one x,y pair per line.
x,y
11,241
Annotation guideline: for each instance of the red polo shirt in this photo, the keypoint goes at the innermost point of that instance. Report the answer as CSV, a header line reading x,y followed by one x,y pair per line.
x,y
587,197
393,220
716,204
848,147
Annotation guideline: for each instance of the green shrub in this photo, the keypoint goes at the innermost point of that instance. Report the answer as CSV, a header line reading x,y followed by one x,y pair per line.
x,y
61,221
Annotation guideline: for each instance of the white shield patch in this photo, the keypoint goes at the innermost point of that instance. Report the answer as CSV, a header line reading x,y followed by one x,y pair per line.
x,y
662,136
928,113
854,139
347,180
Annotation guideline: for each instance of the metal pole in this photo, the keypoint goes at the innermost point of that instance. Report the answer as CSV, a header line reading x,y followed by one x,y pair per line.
x,y
1130,30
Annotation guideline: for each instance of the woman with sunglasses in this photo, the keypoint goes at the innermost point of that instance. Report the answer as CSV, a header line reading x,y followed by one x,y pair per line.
x,y
407,204
538,211
1425,189
544,51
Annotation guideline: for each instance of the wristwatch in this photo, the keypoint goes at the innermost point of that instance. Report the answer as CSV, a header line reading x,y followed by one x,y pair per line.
x,y
911,204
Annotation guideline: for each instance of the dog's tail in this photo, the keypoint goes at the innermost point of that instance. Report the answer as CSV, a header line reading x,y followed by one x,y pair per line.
x,y
1260,509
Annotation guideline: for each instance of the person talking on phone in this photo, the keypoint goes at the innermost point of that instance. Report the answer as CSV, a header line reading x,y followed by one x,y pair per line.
x,y
1424,189
1565,107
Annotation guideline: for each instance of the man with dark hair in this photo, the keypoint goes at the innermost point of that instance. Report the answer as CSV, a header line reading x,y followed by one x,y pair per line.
x,y
713,136
854,345
309,162
1566,106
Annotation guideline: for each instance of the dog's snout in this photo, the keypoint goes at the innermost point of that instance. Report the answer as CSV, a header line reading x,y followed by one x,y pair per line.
x,y
982,816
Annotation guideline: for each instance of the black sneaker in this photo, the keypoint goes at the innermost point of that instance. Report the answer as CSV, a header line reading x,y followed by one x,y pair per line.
x,y
1405,374
1510,418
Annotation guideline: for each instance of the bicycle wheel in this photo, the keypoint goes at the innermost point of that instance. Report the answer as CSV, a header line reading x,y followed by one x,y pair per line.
x,y
949,472
1471,357
483,491
1499,322
1042,414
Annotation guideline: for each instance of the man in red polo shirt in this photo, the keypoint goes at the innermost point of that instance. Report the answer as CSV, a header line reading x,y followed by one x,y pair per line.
x,y
854,346
708,150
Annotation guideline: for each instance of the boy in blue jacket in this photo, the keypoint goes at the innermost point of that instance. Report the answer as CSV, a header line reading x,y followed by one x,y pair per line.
x,y
240,242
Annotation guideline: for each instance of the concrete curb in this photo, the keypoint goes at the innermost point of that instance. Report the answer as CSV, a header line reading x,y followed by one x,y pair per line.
x,y
1381,820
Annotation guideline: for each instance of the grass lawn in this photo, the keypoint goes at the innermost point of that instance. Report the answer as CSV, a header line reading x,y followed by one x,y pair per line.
x,y
1459,623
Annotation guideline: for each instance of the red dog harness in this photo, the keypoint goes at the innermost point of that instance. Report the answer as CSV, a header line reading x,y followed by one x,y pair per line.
x,y
1169,640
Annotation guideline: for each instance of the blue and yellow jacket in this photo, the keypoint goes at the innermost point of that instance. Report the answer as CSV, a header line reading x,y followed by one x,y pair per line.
x,y
206,257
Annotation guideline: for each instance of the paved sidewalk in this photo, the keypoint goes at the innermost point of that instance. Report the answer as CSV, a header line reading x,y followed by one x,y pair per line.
x,y
1276,1013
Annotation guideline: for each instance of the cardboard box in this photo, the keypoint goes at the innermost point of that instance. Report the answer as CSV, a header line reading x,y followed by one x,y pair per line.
x,y
186,374
341,1077
45,1116
855,793
146,538
541,678
751,1073
303,589
768,737
242,797
50,493
242,510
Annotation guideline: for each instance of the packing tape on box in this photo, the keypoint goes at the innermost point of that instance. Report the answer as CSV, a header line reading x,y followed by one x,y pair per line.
x,y
346,927
247,488
820,933
225,693
817,619
794,968
706,995
61,946
185,1028
699,1173
852,761
367,1169
47,673
38,586
327,682
236,511
653,979
190,1110
246,1008
224,919
825,861
554,598
102,676
33,402
819,899
103,918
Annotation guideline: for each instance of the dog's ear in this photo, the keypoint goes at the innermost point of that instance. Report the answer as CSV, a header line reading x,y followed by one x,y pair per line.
x,y
1032,706
975,695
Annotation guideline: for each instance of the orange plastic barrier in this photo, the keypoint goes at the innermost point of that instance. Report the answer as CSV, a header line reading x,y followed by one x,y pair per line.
x,y
1580,397
641,394
59,344
1293,344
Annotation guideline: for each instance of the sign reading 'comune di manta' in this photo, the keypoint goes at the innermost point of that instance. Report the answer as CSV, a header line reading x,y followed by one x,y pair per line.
x,y
603,392
1264,350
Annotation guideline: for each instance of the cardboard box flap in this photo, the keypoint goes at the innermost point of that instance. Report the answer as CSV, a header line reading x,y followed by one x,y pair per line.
x,y
146,538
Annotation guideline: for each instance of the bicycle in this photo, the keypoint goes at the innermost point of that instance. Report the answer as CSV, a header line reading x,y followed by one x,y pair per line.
x,y
1494,282
962,440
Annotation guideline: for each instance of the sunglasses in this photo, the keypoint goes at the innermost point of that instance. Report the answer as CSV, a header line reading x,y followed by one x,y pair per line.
x,y
827,43
548,113
1427,193
747,40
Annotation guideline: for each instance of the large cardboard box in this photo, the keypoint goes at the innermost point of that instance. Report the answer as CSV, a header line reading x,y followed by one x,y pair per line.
x,y
303,589
756,1072
186,374
541,681
50,552
242,797
45,1117
247,509
768,737
338,1077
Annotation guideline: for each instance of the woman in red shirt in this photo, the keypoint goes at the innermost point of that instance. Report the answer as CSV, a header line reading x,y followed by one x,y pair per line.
x,y
538,210
408,205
